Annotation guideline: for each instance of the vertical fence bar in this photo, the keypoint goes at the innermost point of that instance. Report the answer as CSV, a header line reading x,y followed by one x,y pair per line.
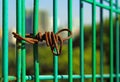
x,y
111,41
55,28
117,44
101,43
70,42
94,41
81,42
23,62
18,43
35,46
5,41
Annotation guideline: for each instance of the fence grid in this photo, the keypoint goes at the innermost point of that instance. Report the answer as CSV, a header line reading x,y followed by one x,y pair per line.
x,y
21,50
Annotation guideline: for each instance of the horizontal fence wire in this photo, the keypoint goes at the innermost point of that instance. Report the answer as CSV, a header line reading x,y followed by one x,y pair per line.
x,y
108,1
21,50
103,6
62,77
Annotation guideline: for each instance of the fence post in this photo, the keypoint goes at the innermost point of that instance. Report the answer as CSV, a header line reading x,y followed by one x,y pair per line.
x,y
35,46
23,57
117,44
111,40
55,29
94,41
5,41
81,41
70,68
101,43
18,43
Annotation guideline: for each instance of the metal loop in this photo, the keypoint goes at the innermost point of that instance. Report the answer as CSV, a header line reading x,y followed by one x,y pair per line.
x,y
51,39
64,39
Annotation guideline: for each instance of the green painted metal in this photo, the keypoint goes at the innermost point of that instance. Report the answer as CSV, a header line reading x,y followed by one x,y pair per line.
x,y
55,29
101,43
108,1
94,41
23,57
86,76
70,67
118,59
5,41
81,41
117,44
35,46
21,51
18,43
61,77
111,40
103,6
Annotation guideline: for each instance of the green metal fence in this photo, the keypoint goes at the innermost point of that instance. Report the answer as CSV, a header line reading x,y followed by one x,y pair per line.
x,y
21,51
